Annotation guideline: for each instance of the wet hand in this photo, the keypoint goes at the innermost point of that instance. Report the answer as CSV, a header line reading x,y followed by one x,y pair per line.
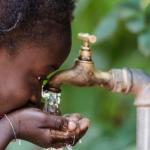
x,y
77,127
47,130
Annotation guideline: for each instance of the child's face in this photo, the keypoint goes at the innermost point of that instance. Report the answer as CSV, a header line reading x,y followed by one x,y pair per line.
x,y
24,72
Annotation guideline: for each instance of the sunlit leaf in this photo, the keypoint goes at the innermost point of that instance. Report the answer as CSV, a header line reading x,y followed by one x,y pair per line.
x,y
135,25
147,14
127,13
132,147
145,3
81,6
144,43
128,10
107,27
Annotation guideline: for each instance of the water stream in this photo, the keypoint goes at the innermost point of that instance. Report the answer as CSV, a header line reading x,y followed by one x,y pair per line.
x,y
52,102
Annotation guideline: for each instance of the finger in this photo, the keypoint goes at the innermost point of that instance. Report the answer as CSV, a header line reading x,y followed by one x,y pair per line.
x,y
73,121
61,137
77,115
74,117
71,137
51,138
56,122
81,130
55,138
66,115
83,127
72,125
84,124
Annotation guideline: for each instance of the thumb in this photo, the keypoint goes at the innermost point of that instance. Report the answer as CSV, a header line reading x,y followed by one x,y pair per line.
x,y
56,122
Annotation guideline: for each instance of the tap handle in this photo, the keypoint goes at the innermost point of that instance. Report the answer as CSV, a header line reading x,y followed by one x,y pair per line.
x,y
87,38
85,51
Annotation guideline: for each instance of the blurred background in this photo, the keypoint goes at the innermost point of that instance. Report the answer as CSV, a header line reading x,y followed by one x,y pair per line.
x,y
122,28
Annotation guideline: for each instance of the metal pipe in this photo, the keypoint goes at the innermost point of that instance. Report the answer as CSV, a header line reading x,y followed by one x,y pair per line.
x,y
143,128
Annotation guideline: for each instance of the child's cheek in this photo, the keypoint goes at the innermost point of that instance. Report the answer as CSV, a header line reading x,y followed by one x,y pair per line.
x,y
34,87
14,94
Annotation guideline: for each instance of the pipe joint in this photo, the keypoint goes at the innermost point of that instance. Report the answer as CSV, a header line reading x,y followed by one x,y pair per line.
x,y
121,80
143,98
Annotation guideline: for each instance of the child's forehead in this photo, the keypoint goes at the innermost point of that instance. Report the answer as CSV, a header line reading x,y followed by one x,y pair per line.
x,y
53,52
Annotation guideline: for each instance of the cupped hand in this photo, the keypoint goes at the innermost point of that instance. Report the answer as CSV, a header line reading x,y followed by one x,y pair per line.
x,y
47,130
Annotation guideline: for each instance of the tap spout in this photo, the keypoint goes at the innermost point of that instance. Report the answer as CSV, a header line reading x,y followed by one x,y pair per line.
x,y
82,74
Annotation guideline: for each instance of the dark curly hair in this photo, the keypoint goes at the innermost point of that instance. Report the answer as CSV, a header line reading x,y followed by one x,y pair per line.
x,y
30,18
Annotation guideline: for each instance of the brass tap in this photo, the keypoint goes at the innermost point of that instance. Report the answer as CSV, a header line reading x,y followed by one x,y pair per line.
x,y
86,52
83,73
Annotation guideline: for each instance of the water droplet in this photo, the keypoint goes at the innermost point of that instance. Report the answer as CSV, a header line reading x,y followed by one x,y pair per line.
x,y
69,147
80,141
19,142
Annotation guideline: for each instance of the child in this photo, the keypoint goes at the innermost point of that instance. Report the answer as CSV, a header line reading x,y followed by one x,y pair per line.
x,y
35,39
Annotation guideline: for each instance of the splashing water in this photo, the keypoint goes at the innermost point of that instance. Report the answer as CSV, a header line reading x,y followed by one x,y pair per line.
x,y
80,141
51,104
54,149
69,147
52,101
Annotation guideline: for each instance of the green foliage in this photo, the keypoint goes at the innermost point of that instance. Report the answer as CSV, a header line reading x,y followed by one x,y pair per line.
x,y
144,43
145,3
107,27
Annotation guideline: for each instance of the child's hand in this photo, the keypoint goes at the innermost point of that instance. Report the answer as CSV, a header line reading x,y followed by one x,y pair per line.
x,y
47,130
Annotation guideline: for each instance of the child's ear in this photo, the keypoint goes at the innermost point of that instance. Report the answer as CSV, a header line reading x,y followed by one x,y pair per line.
x,y
12,12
